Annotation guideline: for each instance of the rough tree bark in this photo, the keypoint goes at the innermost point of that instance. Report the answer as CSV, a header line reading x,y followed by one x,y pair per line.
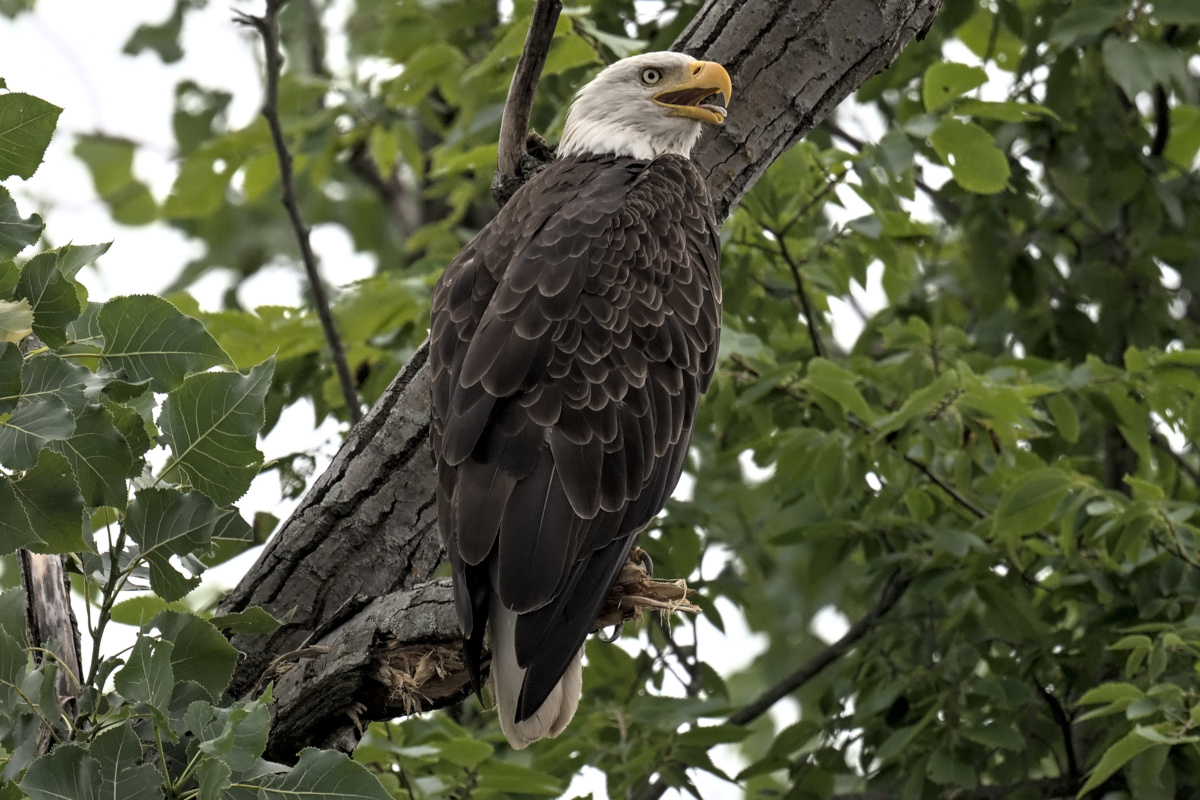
x,y
372,637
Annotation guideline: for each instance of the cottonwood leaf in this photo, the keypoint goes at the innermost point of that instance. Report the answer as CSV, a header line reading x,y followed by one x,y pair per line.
x,y
146,676
49,375
236,735
110,160
211,424
201,653
66,772
26,125
33,425
99,457
117,752
16,232
10,375
166,522
15,530
329,775
52,295
53,506
150,339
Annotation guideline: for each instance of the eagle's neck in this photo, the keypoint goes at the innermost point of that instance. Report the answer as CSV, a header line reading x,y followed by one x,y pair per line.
x,y
638,130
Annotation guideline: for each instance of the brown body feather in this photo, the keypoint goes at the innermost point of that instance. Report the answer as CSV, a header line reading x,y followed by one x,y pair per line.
x,y
571,341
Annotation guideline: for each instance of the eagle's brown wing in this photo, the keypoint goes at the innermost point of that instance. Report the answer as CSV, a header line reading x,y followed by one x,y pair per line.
x,y
571,341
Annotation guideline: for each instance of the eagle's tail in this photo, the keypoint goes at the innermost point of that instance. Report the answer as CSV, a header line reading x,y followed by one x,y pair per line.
x,y
506,679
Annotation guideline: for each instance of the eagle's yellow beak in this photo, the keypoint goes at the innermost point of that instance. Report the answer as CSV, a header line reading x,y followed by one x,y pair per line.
x,y
703,95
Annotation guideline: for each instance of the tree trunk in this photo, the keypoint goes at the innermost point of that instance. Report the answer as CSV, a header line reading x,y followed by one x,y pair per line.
x,y
371,638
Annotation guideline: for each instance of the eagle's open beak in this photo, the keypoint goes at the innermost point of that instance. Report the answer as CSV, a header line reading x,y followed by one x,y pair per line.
x,y
708,82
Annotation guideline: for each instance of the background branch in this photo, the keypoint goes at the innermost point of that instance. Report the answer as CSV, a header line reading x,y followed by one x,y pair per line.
x,y
268,28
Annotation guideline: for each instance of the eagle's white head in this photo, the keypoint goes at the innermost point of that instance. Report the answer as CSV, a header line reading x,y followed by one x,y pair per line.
x,y
646,106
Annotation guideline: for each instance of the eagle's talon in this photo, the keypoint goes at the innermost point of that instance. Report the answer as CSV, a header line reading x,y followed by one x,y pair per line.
x,y
618,629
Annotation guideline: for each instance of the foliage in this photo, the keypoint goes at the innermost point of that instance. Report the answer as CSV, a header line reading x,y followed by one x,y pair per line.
x,y
1010,430
114,427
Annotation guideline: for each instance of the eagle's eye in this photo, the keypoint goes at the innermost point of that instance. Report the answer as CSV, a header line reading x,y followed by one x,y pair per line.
x,y
651,76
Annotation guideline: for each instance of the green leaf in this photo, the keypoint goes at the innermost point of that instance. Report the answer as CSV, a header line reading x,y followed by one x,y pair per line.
x,y
945,80
53,505
147,676
15,530
1066,419
150,339
827,377
118,752
1009,111
1110,692
944,768
66,773
16,232
162,39
468,753
505,777
10,375
100,458
1088,18
166,522
211,424
1141,65
201,653
110,160
995,735
253,620
1114,758
33,425
329,775
137,611
26,125
49,375
1028,504
213,776
972,156
52,295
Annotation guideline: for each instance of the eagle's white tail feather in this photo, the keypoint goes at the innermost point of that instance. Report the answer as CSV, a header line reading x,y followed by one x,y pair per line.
x,y
505,683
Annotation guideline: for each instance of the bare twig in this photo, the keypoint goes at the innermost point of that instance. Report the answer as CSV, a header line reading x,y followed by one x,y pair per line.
x,y
268,28
513,165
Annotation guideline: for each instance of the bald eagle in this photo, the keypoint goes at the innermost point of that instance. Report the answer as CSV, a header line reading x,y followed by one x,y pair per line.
x,y
571,341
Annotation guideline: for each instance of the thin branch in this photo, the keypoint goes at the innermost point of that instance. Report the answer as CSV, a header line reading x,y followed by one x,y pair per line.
x,y
268,28
1064,725
511,167
893,590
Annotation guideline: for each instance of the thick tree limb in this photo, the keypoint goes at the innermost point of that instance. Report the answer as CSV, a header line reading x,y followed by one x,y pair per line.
x,y
367,527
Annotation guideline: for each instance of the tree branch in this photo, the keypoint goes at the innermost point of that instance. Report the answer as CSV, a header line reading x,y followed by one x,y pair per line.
x,y
514,164
268,28
893,590
49,617
368,525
